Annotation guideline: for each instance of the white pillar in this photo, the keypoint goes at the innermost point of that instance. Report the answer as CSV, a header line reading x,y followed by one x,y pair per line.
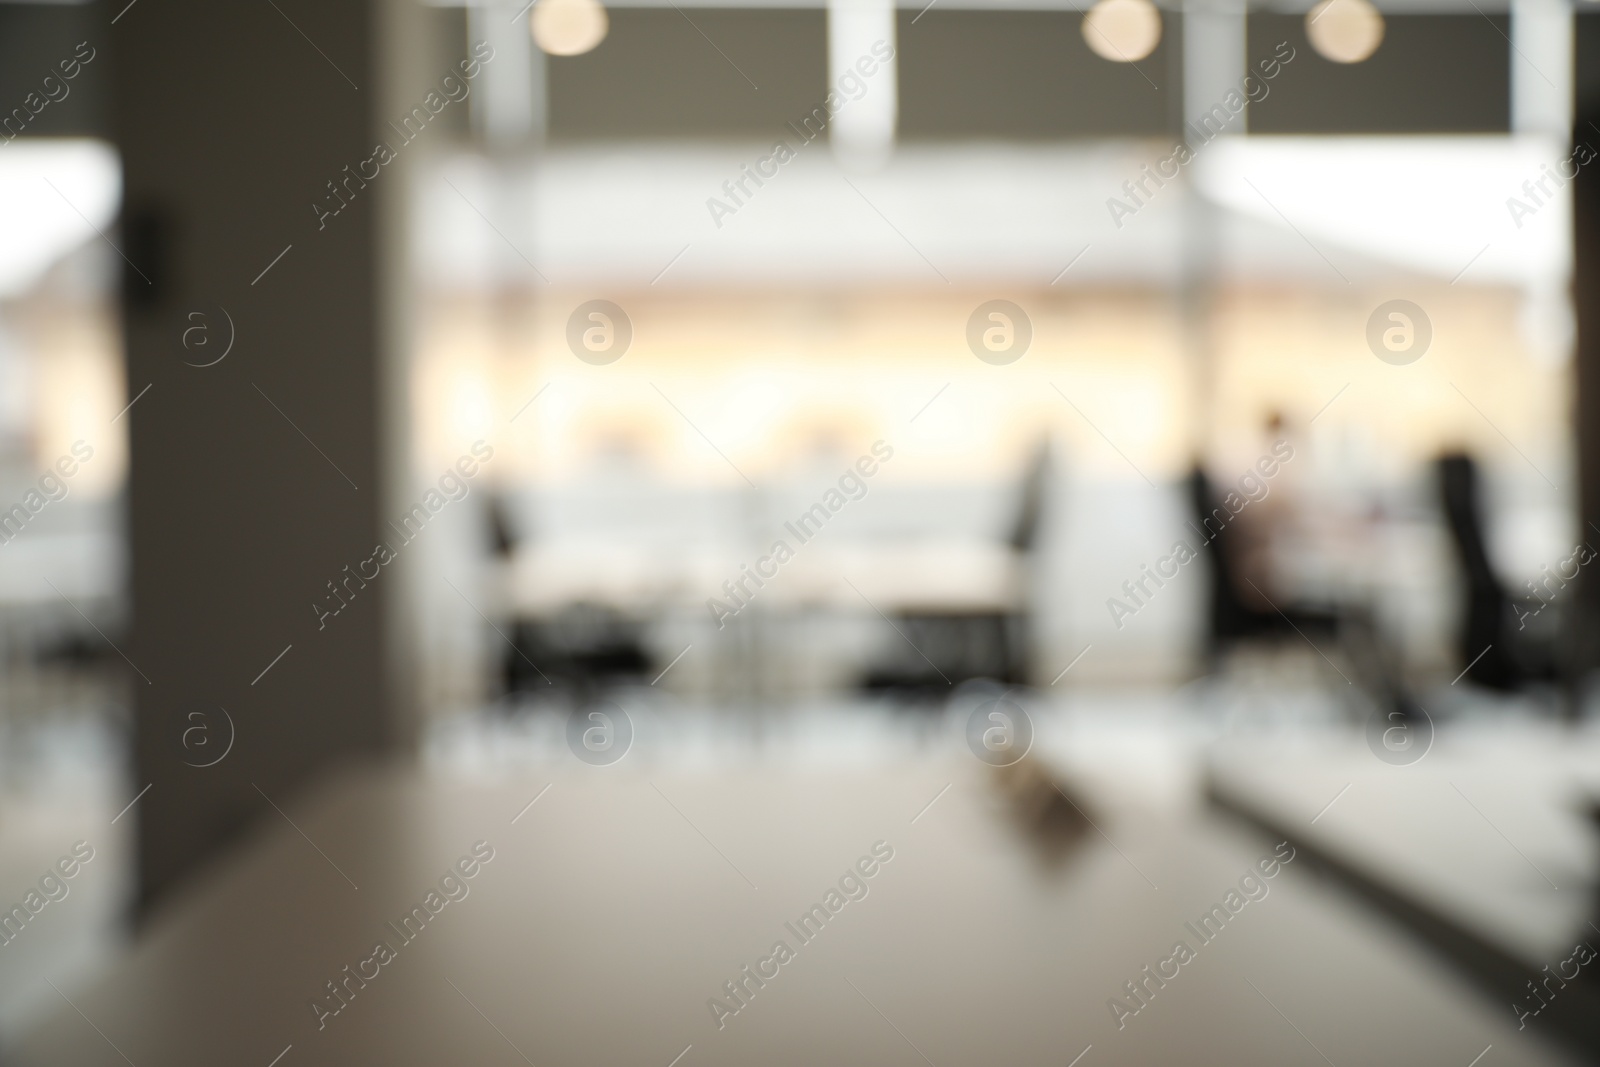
x,y
1213,61
509,99
1541,67
863,130
1541,107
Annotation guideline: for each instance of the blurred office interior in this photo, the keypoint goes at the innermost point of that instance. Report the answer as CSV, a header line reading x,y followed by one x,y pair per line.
x,y
1085,447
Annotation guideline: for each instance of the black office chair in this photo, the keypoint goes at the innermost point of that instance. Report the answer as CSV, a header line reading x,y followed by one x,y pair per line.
x,y
582,648
1503,653
1348,631
1229,619
948,648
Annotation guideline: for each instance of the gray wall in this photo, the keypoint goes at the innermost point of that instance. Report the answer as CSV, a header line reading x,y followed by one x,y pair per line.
x,y
657,74
1028,75
34,39
1018,75
1431,74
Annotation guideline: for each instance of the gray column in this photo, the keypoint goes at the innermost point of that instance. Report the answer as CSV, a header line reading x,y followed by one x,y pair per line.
x,y
256,481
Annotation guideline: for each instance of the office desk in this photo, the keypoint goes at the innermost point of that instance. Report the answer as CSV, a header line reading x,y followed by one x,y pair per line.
x,y
906,574
1486,841
621,902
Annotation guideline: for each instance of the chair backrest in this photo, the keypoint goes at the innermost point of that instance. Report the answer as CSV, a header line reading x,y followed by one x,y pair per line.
x,y
1484,639
1030,507
502,535
1458,492
1225,609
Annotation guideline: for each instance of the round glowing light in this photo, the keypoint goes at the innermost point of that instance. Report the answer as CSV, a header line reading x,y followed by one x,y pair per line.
x,y
1123,31
1345,31
569,27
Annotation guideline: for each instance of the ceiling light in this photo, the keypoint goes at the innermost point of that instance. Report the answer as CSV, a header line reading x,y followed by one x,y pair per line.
x,y
1345,31
1123,31
569,27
